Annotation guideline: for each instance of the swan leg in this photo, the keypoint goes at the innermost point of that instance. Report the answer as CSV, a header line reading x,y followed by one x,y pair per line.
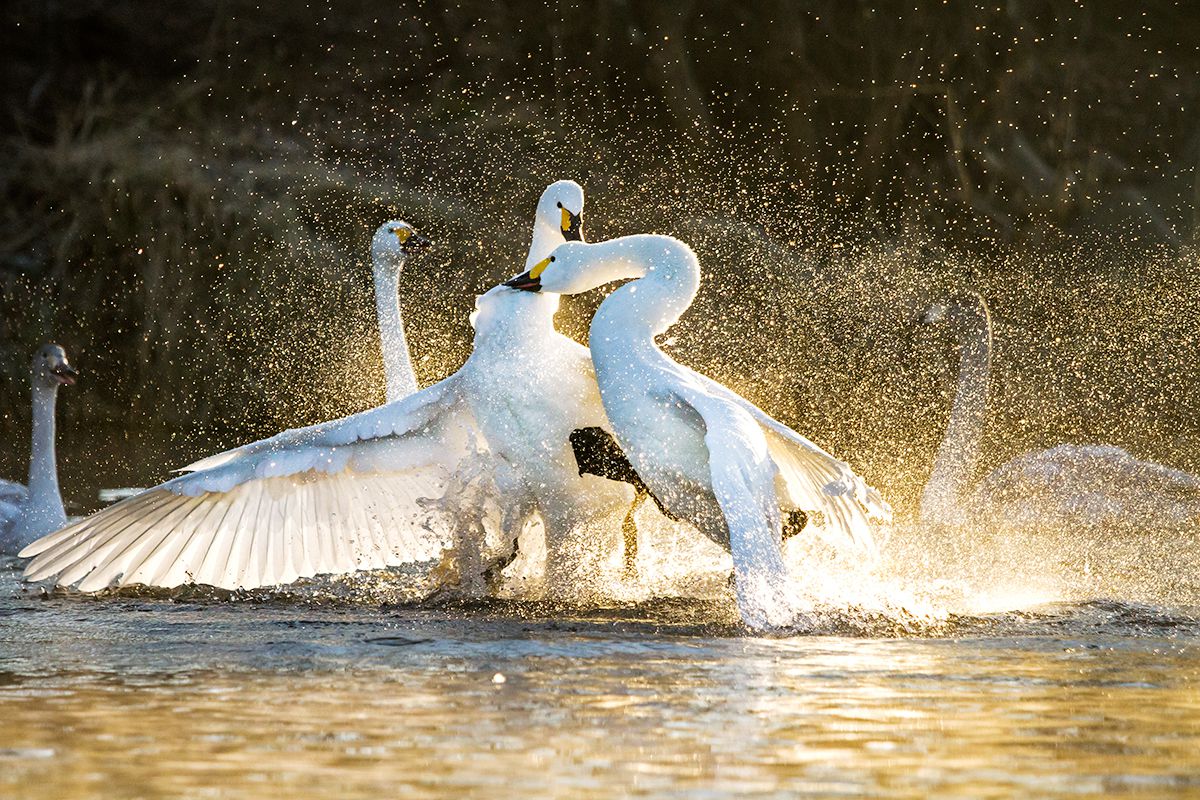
x,y
512,525
794,521
630,531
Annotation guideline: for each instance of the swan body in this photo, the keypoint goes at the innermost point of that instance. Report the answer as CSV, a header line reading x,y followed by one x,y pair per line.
x,y
372,490
29,512
1098,486
708,455
1067,487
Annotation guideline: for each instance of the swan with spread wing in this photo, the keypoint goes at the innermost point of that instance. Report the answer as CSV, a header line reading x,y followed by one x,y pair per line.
x,y
709,456
363,492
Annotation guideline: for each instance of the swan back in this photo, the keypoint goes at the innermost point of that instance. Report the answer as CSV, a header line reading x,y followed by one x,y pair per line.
x,y
1089,486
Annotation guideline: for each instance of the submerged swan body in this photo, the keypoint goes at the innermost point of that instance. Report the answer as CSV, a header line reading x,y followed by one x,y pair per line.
x,y
29,512
1067,487
364,491
710,456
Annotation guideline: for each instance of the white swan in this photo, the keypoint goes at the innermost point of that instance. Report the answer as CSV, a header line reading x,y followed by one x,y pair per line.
x,y
1068,487
27,513
393,242
711,457
361,492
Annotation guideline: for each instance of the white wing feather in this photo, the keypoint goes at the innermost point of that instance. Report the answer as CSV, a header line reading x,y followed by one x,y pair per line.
x,y
743,482
840,504
342,496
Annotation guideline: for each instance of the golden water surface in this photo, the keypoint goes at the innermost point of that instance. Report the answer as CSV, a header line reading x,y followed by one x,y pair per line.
x,y
152,697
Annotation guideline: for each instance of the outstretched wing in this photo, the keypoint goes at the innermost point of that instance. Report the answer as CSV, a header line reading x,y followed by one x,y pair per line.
x,y
350,494
743,482
839,502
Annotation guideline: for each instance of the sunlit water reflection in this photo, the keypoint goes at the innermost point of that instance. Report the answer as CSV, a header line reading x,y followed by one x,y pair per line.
x,y
196,696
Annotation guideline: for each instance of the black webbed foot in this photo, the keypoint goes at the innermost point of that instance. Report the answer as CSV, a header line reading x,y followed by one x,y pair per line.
x,y
793,523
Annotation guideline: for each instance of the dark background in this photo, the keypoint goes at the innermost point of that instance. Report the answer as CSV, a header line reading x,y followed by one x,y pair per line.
x,y
189,192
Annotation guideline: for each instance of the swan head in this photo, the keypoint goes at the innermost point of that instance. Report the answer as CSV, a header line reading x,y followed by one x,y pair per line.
x,y
576,267
559,218
394,242
965,308
51,368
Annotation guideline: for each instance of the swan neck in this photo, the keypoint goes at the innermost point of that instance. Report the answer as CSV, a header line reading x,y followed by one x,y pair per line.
x,y
943,500
664,289
397,363
545,239
43,465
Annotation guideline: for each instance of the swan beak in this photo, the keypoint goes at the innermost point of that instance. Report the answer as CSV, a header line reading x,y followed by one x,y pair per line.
x,y
525,282
416,242
572,226
65,373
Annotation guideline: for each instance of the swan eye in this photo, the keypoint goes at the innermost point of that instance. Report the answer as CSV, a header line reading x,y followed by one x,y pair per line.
x,y
558,204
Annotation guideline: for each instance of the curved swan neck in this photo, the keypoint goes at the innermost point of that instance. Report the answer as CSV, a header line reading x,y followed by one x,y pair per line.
x,y
958,455
43,466
397,363
668,277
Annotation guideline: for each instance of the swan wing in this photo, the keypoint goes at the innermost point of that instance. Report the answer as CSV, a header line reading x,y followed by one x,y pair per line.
x,y
845,508
356,493
743,482
397,418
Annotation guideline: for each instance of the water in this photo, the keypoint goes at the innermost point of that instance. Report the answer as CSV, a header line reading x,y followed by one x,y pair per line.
x,y
197,695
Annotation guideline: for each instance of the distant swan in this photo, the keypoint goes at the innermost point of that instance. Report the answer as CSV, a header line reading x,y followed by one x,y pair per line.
x,y
393,242
363,492
1065,487
710,456
27,513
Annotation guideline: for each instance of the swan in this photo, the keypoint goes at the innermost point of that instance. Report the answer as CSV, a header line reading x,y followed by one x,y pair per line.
x,y
363,492
27,513
1067,487
391,246
708,455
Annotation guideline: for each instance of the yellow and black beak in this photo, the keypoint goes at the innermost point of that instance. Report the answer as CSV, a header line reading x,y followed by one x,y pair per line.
x,y
572,226
64,373
530,281
411,241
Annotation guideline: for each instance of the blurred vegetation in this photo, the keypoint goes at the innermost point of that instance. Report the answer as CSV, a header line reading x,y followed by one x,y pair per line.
x,y
189,192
